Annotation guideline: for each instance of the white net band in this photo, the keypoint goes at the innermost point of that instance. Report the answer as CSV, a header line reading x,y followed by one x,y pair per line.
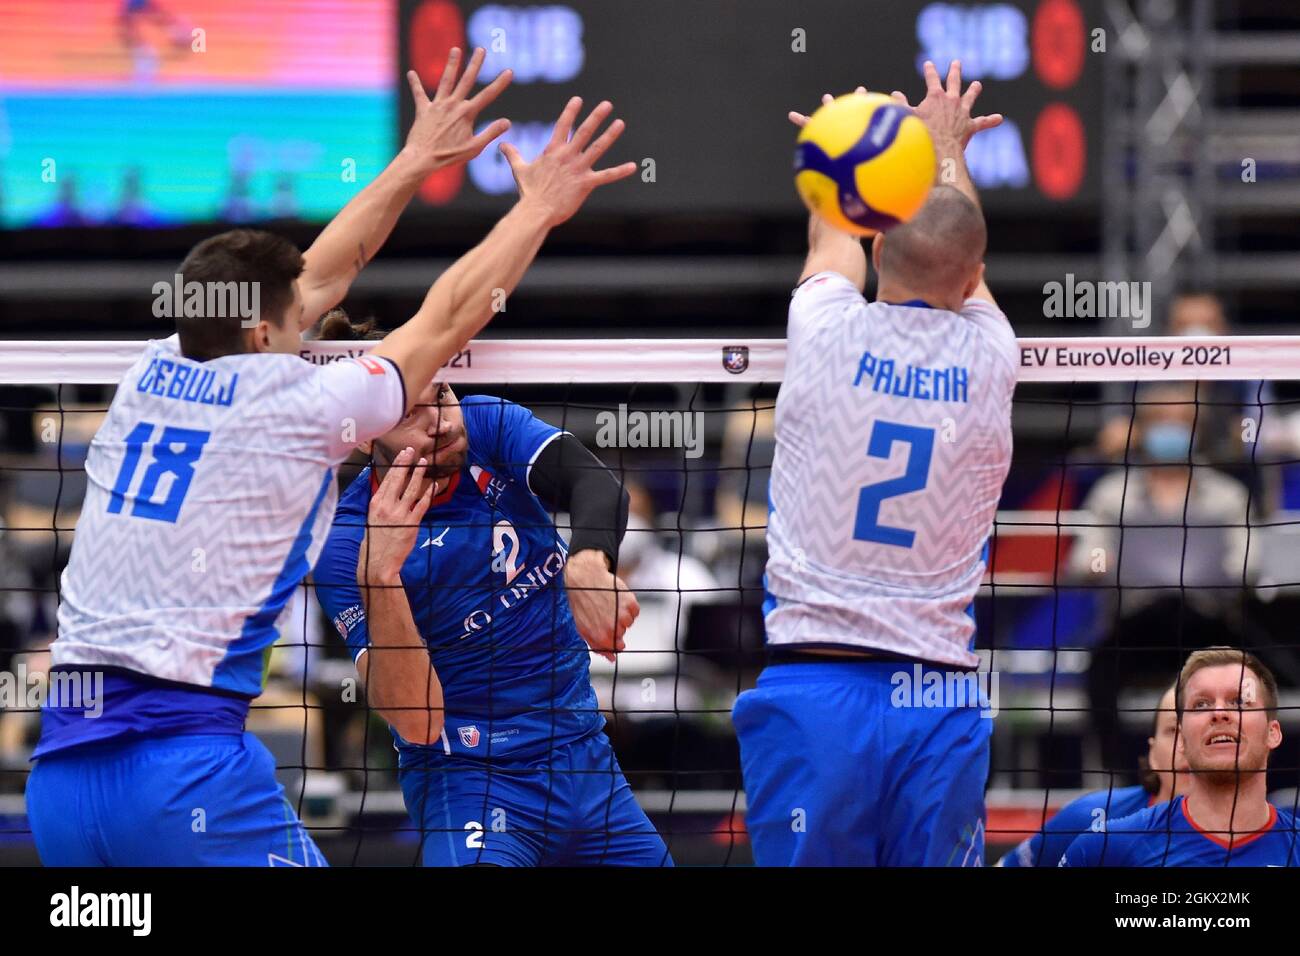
x,y
566,361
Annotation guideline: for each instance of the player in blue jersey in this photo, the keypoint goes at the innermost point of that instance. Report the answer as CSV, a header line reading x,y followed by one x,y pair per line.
x,y
470,623
211,485
1227,709
1165,773
882,501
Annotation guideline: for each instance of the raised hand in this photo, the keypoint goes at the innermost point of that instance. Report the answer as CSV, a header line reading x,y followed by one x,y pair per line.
x,y
443,131
559,181
799,119
393,520
946,112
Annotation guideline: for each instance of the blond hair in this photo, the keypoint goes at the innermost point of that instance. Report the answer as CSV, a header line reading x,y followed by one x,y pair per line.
x,y
1219,656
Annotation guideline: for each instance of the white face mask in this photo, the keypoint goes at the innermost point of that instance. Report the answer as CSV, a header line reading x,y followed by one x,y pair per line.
x,y
1198,330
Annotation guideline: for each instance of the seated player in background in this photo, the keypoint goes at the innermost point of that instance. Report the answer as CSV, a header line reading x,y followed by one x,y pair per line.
x,y
210,489
883,500
1227,711
472,642
1164,776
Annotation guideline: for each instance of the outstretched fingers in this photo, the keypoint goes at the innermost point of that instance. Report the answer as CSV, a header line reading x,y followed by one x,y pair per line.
x,y
470,76
932,84
417,89
583,134
564,125
489,93
603,177
954,78
490,132
604,141
449,73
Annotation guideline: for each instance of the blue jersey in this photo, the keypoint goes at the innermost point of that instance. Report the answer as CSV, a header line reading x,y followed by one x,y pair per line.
x,y
485,581
1164,835
1087,814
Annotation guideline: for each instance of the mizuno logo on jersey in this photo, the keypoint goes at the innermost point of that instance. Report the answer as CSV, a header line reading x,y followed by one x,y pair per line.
x,y
436,542
909,381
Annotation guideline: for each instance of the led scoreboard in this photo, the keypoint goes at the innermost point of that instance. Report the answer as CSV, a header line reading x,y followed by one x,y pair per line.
x,y
704,86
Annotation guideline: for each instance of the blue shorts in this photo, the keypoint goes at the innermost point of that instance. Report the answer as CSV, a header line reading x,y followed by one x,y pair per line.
x,y
836,775
571,808
182,800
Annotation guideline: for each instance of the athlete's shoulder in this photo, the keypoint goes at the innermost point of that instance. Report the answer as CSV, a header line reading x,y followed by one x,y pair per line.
x,y
994,327
355,498
820,300
488,410
1160,818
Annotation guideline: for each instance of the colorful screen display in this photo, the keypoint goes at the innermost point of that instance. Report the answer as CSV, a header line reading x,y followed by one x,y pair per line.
x,y
166,112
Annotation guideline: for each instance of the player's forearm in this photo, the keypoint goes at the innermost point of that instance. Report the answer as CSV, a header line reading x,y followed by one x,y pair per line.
x,y
951,169
466,296
353,237
399,677
830,250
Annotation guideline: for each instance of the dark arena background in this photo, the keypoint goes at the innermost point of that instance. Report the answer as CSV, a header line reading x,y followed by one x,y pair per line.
x,y
1150,147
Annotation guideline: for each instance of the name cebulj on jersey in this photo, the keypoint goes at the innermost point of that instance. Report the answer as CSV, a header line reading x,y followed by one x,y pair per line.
x,y
187,383
888,377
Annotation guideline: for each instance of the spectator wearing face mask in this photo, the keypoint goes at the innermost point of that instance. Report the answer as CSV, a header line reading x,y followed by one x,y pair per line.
x,y
1223,436
1166,538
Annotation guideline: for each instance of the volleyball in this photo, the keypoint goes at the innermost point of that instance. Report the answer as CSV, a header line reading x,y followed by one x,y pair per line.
x,y
864,163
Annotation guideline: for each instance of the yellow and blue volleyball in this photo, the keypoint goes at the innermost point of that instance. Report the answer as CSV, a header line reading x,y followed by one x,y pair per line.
x,y
864,163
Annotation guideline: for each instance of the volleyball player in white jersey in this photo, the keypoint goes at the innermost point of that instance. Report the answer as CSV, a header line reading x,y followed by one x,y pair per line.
x,y
210,492
893,438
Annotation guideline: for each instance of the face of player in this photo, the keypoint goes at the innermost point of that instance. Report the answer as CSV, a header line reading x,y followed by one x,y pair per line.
x,y
1225,728
435,428
1163,753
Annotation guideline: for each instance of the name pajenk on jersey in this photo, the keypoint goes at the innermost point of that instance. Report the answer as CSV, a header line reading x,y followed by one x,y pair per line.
x,y
909,381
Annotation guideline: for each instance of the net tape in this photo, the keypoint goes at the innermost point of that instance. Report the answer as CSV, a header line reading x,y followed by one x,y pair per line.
x,y
563,361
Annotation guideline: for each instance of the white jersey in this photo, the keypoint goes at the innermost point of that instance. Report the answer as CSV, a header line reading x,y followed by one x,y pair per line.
x,y
210,490
893,439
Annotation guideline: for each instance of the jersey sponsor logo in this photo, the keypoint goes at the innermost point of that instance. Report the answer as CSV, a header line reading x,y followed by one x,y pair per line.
x,y
348,618
527,582
373,366
469,736
435,542
735,358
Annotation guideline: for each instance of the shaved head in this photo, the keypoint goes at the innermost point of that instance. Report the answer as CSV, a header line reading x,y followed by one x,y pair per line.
x,y
938,252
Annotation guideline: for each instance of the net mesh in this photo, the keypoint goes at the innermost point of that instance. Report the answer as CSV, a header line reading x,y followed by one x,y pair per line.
x,y
1151,509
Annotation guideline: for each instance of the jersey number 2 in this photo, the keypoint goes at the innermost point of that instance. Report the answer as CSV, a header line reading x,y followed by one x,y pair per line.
x,y
167,460
867,527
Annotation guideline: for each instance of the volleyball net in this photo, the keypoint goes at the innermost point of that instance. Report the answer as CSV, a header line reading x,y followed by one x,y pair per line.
x,y
1153,508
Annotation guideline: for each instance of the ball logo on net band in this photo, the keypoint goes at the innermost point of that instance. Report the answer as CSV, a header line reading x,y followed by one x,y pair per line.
x,y
735,358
